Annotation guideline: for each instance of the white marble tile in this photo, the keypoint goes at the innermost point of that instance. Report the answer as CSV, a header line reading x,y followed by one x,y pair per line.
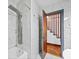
x,y
50,56
12,54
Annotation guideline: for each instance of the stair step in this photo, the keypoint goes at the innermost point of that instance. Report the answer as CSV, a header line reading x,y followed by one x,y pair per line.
x,y
52,38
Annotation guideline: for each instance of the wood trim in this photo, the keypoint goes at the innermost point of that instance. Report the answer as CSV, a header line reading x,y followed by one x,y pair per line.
x,y
54,12
44,32
53,44
44,14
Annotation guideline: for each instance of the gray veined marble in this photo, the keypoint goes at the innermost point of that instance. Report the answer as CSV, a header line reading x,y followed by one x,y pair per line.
x,y
18,34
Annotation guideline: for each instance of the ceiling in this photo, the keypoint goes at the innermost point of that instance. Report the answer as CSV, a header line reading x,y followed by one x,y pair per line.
x,y
45,3
53,5
49,5
16,2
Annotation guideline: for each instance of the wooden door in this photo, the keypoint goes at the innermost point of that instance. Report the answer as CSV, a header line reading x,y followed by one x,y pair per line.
x,y
44,32
43,36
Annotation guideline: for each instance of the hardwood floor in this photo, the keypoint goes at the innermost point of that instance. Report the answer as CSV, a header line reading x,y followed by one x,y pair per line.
x,y
54,49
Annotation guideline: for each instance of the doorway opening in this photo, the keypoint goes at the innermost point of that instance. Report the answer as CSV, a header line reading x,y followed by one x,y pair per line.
x,y
53,32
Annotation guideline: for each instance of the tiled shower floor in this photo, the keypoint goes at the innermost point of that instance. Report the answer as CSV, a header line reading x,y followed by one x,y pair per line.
x,y
13,54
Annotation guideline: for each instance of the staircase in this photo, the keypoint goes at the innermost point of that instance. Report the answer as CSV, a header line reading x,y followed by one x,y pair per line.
x,y
53,35
52,38
53,29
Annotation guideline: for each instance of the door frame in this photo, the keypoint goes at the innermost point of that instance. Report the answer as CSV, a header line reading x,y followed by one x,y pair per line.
x,y
61,26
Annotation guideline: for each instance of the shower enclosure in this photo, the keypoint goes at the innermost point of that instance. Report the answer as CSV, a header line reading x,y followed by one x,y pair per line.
x,y
15,40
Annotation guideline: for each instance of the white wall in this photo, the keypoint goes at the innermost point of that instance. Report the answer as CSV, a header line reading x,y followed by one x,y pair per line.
x,y
67,33
34,30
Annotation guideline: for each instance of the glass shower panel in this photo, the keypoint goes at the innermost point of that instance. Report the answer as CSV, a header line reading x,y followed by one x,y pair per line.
x,y
15,49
